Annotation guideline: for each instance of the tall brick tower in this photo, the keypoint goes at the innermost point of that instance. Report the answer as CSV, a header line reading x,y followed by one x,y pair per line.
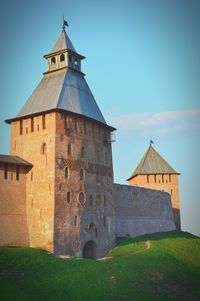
x,y
62,133
155,173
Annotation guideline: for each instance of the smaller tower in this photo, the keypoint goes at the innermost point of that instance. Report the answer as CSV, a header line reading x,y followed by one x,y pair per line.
x,y
155,173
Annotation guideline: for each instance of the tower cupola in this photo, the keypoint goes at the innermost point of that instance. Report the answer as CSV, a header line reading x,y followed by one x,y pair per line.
x,y
63,54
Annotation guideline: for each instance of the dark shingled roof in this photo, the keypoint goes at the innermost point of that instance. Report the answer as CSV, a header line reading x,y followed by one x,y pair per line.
x,y
152,163
14,160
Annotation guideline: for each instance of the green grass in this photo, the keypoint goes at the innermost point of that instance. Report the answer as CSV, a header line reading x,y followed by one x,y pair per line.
x,y
169,270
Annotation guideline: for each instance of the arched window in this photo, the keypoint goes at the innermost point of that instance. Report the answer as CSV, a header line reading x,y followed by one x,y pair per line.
x,y
67,173
44,148
83,152
81,198
68,197
62,58
82,174
53,60
69,149
91,227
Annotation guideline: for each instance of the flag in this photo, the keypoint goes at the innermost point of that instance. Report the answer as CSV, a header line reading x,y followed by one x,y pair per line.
x,y
65,23
151,142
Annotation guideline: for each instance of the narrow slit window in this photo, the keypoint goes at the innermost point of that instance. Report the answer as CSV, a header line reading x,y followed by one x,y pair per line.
x,y
91,200
82,152
68,197
104,201
43,122
69,149
44,148
76,125
147,178
170,178
75,220
106,157
21,127
5,171
32,124
155,178
67,173
82,174
98,155
17,173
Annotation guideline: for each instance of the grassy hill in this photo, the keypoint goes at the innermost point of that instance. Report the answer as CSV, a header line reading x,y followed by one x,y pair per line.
x,y
163,266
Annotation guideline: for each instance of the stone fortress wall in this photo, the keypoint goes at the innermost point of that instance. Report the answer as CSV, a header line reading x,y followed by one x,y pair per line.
x,y
140,211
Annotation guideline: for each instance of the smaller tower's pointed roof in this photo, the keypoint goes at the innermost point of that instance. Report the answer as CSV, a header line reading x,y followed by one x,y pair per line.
x,y
63,43
152,163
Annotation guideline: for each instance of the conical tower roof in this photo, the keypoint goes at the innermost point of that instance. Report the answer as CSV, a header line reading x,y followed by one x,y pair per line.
x,y
152,163
63,43
63,88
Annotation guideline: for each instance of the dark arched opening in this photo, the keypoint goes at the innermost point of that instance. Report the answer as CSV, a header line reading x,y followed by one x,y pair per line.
x,y
89,250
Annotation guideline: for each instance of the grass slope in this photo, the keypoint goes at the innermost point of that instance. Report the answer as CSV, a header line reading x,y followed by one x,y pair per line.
x,y
168,270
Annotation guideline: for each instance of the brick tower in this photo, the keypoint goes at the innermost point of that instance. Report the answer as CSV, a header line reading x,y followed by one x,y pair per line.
x,y
155,173
62,133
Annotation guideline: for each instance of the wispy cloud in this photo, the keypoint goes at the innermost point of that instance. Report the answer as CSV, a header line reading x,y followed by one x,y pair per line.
x,y
158,123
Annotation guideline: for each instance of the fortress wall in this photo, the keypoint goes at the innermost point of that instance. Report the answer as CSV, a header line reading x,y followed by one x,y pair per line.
x,y
165,182
13,219
140,211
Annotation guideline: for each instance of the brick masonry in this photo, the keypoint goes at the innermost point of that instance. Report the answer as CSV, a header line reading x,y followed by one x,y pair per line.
x,y
167,183
62,211
140,211
67,200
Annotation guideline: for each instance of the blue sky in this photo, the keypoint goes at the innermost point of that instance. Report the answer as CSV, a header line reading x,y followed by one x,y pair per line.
x,y
142,65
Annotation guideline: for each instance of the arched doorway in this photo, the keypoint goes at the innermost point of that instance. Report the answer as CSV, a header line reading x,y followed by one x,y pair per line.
x,y
89,250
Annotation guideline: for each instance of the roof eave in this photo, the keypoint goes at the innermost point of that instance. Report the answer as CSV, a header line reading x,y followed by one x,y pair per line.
x,y
24,163
142,174
64,50
66,67
8,121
